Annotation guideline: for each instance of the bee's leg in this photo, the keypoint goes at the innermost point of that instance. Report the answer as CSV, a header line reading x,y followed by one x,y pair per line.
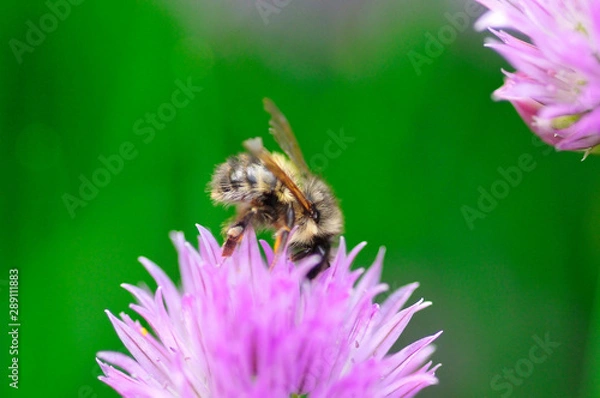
x,y
283,234
321,248
235,232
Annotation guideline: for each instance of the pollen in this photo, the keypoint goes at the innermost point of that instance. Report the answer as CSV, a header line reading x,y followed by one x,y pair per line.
x,y
562,122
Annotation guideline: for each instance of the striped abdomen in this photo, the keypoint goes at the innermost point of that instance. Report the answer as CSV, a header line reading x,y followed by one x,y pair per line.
x,y
242,178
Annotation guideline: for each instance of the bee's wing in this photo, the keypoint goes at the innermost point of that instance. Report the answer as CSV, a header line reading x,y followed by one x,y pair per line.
x,y
281,130
256,148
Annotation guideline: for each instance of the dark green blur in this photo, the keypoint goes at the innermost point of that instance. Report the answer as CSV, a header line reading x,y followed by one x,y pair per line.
x,y
423,139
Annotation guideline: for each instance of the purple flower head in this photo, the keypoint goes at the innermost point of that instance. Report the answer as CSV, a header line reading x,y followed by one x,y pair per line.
x,y
237,329
556,86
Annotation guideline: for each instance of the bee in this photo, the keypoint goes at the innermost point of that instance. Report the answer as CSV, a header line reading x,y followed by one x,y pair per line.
x,y
278,192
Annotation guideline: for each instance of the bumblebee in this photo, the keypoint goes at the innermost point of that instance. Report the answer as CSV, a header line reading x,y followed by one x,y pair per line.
x,y
278,192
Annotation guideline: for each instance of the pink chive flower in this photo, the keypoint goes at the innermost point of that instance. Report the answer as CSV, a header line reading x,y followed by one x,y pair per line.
x,y
235,329
556,86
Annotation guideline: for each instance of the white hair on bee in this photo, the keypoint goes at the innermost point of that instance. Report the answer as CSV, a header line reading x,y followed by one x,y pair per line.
x,y
277,192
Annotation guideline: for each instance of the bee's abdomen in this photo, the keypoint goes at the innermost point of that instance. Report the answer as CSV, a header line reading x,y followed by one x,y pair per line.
x,y
241,179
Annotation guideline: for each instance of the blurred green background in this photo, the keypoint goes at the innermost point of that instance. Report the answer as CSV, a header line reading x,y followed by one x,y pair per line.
x,y
423,140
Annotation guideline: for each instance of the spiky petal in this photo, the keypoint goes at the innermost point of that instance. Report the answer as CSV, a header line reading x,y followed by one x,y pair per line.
x,y
556,86
236,329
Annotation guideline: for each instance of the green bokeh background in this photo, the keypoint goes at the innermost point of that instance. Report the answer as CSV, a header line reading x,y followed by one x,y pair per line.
x,y
424,141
